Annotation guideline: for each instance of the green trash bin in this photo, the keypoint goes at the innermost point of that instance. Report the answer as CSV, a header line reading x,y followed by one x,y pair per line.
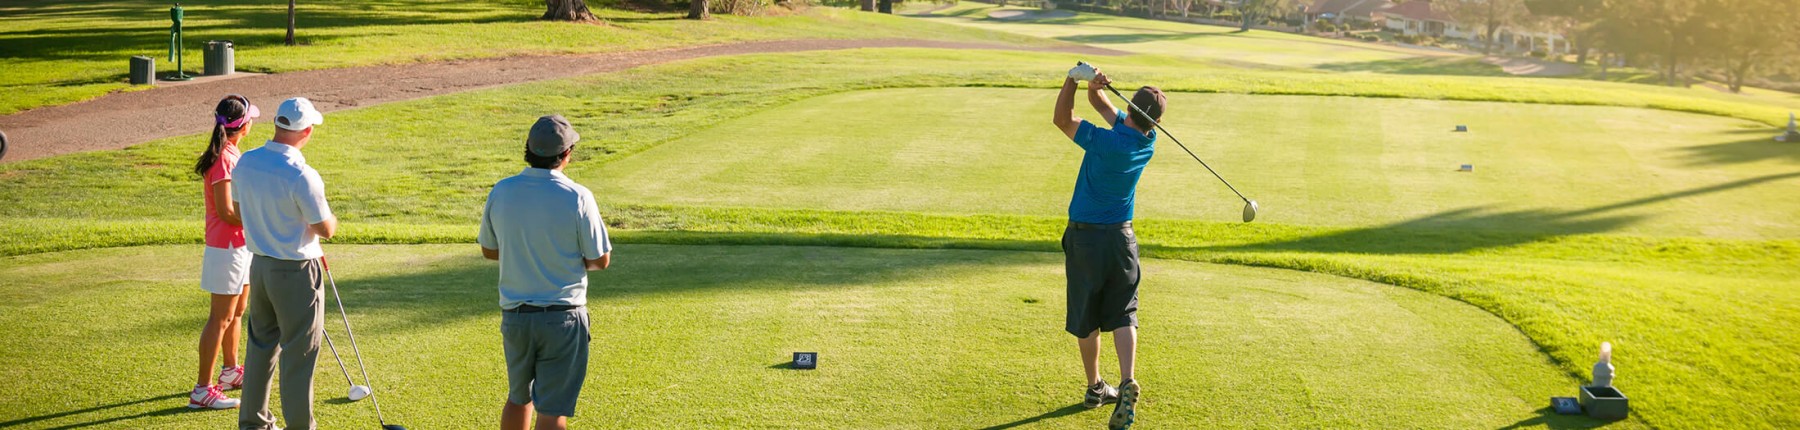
x,y
220,58
143,70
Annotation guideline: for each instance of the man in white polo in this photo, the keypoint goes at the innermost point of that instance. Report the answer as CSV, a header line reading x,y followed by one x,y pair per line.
x,y
546,231
282,202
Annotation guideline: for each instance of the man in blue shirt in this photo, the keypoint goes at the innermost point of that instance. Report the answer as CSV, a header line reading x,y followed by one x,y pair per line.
x,y
1099,249
547,233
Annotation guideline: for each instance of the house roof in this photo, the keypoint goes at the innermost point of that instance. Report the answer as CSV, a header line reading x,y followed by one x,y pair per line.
x,y
1348,7
1419,10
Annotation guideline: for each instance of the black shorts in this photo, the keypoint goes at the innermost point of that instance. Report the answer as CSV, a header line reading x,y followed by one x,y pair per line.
x,y
1101,262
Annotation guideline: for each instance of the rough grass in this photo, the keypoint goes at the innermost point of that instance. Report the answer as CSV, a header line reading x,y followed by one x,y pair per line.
x,y
697,336
58,52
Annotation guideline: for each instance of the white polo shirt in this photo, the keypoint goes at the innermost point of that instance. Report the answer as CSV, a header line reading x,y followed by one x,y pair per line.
x,y
544,225
279,198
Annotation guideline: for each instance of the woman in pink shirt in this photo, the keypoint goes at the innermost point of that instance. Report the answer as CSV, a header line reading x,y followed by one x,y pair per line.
x,y
225,268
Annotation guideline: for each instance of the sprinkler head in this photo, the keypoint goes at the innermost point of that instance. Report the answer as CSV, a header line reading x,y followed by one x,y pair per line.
x,y
1249,210
358,392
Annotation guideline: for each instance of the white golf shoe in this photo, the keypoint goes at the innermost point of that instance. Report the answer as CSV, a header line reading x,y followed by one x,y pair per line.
x,y
209,397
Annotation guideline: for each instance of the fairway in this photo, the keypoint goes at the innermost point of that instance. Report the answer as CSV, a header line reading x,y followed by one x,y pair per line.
x,y
695,336
1218,43
1325,161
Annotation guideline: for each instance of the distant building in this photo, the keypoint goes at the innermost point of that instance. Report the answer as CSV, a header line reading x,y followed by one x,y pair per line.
x,y
1418,18
1343,11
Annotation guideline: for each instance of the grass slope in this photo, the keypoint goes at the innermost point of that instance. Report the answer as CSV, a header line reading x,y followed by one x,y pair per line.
x,y
59,52
1311,160
694,336
1145,36
400,174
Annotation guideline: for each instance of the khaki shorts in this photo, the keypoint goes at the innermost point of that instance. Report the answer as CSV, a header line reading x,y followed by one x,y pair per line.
x,y
546,358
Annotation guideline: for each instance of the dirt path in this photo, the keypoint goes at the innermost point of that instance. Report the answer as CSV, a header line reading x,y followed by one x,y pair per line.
x,y
1533,67
119,120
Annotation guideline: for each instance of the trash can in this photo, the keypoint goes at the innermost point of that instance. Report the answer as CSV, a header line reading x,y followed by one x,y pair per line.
x,y
220,58
143,70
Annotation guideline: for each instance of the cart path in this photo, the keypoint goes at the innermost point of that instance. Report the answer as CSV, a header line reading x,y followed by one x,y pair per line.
x,y
119,120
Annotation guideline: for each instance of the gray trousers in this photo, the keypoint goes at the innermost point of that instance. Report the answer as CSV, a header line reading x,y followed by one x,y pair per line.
x,y
285,319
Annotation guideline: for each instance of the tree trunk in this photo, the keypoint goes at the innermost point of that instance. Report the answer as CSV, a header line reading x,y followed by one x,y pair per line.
x,y
1669,75
567,10
869,5
1248,17
1493,38
699,9
290,33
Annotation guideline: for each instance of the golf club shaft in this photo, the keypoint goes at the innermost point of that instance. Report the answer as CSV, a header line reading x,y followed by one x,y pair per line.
x,y
1184,148
340,359
360,364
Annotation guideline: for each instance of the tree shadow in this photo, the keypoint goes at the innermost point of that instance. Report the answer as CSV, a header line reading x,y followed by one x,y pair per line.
x,y
447,290
1064,411
1548,418
1472,228
159,412
1122,38
1758,144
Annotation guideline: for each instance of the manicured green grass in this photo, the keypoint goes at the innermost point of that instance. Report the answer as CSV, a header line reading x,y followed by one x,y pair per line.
x,y
59,52
1146,36
1310,160
1695,320
695,336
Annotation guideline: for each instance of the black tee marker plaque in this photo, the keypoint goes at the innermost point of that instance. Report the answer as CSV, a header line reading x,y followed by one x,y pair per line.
x,y
806,360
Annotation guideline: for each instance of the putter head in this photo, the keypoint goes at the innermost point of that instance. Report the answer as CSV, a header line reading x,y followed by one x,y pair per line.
x,y
392,427
1249,210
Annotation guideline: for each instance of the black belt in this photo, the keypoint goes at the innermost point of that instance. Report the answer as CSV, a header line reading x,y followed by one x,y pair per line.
x,y
1086,226
529,309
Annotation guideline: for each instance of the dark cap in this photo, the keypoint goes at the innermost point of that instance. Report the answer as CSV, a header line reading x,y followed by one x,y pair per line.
x,y
551,136
1151,100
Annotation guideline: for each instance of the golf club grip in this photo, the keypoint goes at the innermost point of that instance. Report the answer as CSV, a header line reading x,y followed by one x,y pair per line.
x,y
1184,148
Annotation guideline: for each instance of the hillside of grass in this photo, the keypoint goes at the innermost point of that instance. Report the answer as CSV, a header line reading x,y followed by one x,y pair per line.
x,y
58,52
1694,319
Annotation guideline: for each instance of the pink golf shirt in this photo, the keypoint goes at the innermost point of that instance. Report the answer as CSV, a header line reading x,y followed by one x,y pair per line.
x,y
218,233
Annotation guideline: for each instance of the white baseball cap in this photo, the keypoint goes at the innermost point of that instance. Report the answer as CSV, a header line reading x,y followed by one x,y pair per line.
x,y
297,114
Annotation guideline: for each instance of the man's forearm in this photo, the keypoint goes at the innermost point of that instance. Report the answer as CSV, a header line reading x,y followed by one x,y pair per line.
x,y
1065,104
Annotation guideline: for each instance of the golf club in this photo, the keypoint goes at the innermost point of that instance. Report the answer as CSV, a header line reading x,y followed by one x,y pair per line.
x,y
360,364
1250,206
357,392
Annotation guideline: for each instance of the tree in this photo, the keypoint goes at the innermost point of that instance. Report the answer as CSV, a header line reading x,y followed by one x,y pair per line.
x,y
1253,12
1579,19
567,10
290,34
1492,14
1747,35
699,9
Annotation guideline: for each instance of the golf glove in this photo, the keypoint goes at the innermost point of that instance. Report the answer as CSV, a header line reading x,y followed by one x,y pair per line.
x,y
1083,72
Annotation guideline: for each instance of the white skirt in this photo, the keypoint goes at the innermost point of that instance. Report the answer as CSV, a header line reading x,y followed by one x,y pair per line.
x,y
224,271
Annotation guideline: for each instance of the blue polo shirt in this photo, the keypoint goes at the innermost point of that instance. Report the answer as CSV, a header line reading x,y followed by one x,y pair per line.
x,y
544,225
1110,169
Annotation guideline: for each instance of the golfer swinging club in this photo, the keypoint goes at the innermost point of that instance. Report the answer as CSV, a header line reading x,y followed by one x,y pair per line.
x,y
546,231
1099,249
282,205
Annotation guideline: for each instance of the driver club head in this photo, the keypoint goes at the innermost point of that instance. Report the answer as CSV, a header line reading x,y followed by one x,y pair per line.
x,y
1249,210
359,392
392,427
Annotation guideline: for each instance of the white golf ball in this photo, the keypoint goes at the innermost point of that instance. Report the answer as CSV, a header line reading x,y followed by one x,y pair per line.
x,y
358,392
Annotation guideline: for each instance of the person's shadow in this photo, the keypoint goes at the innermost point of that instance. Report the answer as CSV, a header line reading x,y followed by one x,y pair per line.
x,y
1548,418
159,412
1065,411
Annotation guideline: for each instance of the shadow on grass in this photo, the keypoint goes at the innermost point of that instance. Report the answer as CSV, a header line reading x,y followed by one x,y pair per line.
x,y
1122,38
436,292
1758,145
1063,412
170,398
1548,418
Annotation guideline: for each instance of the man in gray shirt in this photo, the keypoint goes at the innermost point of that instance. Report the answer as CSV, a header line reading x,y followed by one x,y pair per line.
x,y
546,231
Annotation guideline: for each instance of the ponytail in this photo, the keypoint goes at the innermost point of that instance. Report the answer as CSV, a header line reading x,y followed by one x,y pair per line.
x,y
211,156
